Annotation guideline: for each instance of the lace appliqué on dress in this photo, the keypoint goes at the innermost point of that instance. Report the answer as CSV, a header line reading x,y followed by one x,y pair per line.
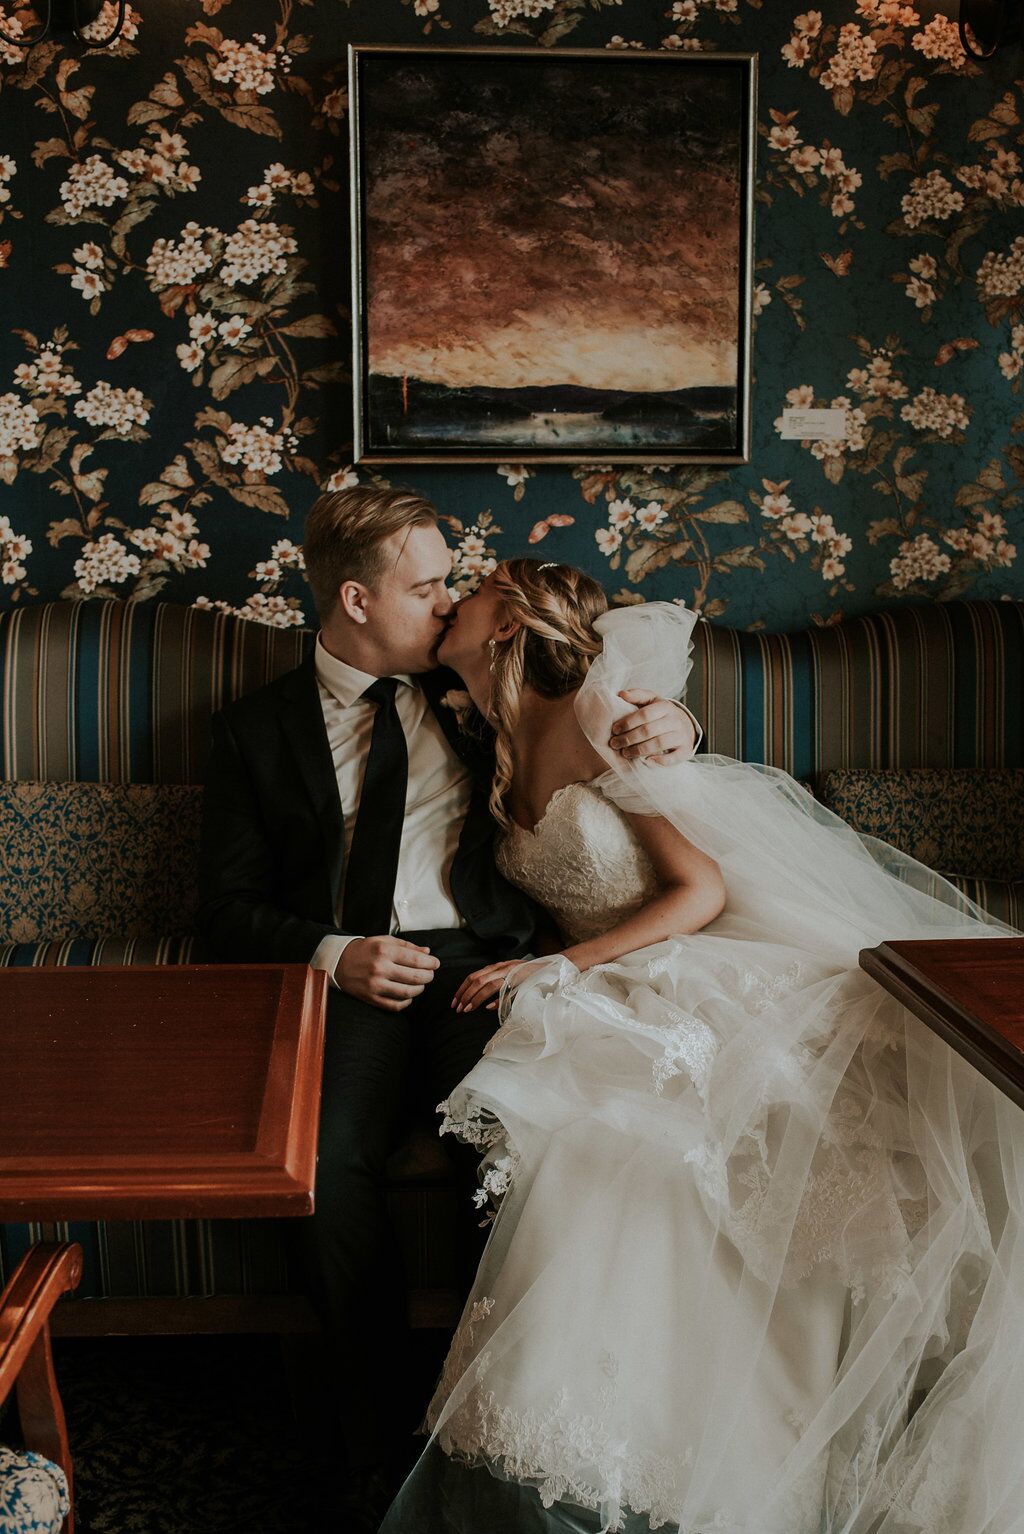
x,y
582,861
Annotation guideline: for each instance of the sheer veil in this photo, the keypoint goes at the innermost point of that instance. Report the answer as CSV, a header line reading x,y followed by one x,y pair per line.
x,y
836,1146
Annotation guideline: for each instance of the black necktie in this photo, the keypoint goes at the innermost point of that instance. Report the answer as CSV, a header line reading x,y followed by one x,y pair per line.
x,y
377,838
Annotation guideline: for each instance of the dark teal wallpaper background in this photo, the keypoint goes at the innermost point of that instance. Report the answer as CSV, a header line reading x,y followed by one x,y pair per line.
x,y
174,347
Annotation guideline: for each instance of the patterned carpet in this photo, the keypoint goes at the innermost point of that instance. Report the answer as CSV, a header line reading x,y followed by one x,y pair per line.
x,y
196,1435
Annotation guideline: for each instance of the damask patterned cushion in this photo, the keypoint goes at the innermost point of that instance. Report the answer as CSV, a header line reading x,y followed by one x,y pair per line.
x,y
33,1493
956,820
96,860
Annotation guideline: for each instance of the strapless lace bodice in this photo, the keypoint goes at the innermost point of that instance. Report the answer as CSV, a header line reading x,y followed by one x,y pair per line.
x,y
582,861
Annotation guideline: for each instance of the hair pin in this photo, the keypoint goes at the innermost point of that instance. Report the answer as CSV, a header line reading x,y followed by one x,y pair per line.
x,y
552,564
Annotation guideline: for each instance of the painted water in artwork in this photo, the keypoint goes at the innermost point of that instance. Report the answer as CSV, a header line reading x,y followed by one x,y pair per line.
x,y
553,254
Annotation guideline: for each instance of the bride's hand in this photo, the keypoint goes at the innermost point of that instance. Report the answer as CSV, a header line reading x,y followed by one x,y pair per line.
x,y
483,984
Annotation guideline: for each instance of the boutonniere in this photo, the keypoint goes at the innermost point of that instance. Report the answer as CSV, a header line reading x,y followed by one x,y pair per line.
x,y
459,702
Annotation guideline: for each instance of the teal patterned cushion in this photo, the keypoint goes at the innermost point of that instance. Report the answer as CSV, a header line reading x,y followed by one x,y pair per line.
x,y
97,860
959,821
33,1493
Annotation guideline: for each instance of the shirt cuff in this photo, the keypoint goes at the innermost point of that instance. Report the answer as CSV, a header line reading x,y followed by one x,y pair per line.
x,y
696,725
328,954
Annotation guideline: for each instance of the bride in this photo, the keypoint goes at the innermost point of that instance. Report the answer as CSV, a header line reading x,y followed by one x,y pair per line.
x,y
757,1261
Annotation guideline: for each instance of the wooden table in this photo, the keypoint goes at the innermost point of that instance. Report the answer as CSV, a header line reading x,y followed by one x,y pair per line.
x,y
970,991
164,1091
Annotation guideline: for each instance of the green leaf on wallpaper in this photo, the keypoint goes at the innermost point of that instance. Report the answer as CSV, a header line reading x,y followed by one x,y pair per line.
x,y
149,585
557,30
236,371
166,92
48,149
649,556
218,419
252,117
137,211
984,129
1015,457
972,495
176,472
67,527
310,325
991,476
923,118
743,558
153,494
208,459
262,497
51,447
146,112
328,372
725,511
911,485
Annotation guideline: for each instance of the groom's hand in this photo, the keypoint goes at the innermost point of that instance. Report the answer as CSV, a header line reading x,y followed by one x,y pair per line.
x,y
386,971
657,729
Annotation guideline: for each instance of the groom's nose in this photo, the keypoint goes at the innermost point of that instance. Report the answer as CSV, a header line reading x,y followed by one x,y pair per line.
x,y
444,603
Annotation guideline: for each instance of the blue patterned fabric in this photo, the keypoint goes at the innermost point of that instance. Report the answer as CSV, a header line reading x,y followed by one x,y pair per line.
x,y
33,1493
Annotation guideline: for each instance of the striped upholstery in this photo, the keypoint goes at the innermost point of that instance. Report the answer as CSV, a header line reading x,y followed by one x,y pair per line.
x,y
922,686
116,692
121,692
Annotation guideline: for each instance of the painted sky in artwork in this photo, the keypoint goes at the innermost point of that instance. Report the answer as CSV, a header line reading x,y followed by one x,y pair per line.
x,y
546,224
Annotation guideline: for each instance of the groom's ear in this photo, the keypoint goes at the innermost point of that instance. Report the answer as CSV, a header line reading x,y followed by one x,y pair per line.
x,y
352,600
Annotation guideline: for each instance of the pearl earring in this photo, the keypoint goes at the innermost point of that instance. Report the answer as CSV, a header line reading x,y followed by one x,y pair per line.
x,y
492,645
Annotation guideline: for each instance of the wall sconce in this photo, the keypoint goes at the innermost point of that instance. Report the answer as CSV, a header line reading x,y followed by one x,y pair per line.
x,y
70,16
983,24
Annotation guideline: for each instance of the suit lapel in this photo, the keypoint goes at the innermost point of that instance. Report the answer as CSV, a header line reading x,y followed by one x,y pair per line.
x,y
302,720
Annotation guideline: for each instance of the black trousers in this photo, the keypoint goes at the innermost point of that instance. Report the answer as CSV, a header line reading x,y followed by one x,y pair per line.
x,y
383,1070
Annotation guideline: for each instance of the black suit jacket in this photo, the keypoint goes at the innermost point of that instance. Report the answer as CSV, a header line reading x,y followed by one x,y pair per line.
x,y
272,847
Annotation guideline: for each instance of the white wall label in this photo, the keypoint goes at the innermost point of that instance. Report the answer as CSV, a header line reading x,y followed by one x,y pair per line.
x,y
814,425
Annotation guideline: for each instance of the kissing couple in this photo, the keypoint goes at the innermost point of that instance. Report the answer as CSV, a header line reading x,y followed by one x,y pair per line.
x,y
756,1263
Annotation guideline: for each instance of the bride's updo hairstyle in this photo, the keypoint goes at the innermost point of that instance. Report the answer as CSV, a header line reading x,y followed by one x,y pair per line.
x,y
551,651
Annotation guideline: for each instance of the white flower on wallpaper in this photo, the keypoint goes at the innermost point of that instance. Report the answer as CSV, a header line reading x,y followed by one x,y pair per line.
x,y
931,197
91,184
118,409
250,66
14,550
187,193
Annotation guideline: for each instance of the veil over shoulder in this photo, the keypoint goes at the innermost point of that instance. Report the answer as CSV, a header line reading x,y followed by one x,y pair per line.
x,y
759,1265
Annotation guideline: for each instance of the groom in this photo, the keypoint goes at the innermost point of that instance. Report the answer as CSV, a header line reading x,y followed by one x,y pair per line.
x,y
346,826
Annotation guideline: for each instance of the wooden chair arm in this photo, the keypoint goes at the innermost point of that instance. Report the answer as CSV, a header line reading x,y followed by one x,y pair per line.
x,y
48,1270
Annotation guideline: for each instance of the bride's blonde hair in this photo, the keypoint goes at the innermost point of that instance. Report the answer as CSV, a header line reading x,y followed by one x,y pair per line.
x,y
551,650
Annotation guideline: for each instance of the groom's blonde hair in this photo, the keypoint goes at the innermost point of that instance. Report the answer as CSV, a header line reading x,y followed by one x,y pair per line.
x,y
555,606
345,535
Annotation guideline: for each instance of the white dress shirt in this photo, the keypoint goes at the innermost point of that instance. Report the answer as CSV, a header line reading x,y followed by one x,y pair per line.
x,y
436,800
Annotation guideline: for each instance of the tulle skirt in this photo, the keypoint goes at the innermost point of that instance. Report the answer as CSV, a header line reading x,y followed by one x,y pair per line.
x,y
756,1263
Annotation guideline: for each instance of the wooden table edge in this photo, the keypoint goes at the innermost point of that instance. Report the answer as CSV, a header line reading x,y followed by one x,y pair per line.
x,y
975,1041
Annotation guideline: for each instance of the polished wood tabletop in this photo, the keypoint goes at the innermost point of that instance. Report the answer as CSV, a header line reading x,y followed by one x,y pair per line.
x,y
159,1091
970,991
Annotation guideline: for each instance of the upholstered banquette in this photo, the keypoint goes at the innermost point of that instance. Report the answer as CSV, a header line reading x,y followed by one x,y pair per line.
x,y
909,723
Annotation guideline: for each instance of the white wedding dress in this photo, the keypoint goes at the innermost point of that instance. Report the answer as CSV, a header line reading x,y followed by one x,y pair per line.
x,y
757,1265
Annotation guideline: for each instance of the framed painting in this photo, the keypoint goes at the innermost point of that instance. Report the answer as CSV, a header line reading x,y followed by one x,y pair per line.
x,y
552,255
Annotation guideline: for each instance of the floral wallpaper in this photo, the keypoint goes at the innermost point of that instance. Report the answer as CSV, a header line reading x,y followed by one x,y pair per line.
x,y
174,347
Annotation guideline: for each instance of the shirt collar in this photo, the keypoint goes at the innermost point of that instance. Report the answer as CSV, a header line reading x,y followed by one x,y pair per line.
x,y
342,681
